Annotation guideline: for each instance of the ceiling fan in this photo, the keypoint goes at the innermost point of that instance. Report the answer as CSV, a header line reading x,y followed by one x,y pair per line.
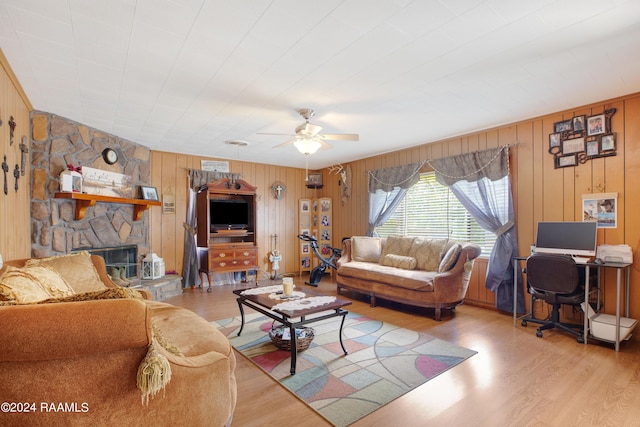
x,y
308,139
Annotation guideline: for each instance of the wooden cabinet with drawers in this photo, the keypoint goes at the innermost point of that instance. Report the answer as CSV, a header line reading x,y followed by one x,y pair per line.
x,y
232,258
226,234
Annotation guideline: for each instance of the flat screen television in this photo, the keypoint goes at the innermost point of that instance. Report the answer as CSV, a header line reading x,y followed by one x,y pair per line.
x,y
568,238
229,214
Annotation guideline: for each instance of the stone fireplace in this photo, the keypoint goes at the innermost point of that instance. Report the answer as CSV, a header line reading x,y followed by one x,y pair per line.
x,y
57,142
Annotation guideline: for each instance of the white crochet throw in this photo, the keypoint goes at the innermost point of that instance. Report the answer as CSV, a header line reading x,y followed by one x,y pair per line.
x,y
301,304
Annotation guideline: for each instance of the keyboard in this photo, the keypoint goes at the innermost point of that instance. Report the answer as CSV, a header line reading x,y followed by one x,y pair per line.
x,y
581,260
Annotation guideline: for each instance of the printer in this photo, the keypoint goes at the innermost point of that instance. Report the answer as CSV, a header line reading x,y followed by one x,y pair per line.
x,y
615,253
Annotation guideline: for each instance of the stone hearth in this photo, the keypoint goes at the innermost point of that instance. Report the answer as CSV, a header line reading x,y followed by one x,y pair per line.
x,y
162,288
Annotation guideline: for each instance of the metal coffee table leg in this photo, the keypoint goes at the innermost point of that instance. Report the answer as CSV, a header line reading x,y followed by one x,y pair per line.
x,y
344,316
294,349
241,315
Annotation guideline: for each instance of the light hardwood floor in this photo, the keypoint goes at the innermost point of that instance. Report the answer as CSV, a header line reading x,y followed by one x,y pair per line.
x,y
516,379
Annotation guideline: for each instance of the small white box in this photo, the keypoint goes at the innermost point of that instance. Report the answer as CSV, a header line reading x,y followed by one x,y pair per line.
x,y
603,326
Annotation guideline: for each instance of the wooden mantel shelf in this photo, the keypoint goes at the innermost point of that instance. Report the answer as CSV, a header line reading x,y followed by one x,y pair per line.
x,y
83,201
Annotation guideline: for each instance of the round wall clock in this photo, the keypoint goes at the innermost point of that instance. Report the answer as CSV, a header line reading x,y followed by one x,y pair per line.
x,y
110,155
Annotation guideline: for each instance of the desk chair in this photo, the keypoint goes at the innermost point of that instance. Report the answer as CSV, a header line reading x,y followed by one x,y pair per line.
x,y
554,279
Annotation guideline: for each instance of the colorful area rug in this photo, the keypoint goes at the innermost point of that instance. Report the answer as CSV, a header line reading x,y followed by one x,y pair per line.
x,y
384,362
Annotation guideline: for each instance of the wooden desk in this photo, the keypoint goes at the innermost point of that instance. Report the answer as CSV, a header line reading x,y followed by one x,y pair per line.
x,y
619,266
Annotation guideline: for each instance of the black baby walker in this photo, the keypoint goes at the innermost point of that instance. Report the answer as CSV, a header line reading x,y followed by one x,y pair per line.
x,y
316,274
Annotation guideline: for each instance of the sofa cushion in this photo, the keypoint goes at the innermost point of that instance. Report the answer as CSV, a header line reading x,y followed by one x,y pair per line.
x,y
77,269
365,249
397,245
399,261
427,252
396,277
450,258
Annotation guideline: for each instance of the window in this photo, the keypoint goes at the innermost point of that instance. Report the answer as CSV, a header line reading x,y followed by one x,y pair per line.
x,y
431,210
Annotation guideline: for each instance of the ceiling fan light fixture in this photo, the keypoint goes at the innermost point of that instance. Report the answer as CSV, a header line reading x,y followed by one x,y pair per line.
x,y
307,145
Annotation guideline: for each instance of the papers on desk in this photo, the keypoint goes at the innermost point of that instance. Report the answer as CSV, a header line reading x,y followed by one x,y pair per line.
x,y
615,253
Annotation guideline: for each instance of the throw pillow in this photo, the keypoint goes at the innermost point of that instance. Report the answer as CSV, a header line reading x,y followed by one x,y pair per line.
x,y
399,261
450,258
77,269
397,245
365,249
50,280
20,286
427,252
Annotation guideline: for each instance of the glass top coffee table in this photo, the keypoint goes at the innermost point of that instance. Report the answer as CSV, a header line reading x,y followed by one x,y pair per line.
x,y
262,303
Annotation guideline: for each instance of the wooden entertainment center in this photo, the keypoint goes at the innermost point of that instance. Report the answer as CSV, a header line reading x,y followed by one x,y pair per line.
x,y
226,217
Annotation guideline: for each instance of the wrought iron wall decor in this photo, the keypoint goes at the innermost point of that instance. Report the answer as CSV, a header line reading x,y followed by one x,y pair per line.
x,y
582,138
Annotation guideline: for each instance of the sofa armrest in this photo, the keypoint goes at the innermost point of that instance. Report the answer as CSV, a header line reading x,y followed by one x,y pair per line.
x,y
452,285
346,252
73,329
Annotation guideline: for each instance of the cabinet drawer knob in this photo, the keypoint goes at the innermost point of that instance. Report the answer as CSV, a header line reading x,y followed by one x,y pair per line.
x,y
222,255
246,263
245,253
222,264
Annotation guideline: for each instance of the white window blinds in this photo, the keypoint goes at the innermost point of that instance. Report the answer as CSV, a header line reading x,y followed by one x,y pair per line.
x,y
431,210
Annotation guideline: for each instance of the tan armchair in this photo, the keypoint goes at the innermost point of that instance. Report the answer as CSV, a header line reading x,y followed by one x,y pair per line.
x,y
75,363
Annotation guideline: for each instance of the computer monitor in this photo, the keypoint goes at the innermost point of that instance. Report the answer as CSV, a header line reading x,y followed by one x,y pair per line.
x,y
568,238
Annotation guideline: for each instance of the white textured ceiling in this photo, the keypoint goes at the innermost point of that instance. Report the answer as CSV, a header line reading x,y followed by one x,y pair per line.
x,y
187,75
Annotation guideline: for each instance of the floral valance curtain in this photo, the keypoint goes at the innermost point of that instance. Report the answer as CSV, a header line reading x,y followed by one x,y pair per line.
x,y
387,179
480,181
492,164
387,188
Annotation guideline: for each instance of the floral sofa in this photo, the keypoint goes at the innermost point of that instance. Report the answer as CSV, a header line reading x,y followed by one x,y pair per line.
x,y
79,350
432,273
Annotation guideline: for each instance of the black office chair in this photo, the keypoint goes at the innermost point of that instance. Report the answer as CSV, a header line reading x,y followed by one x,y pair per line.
x,y
556,280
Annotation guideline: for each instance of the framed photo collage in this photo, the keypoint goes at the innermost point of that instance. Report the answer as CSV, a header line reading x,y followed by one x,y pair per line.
x,y
582,138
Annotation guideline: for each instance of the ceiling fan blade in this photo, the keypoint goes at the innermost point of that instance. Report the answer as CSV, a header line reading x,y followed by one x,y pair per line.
x,y
291,141
279,134
341,136
324,145
308,129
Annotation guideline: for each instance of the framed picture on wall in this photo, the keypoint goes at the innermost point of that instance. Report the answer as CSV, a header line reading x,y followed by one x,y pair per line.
x,y
608,142
566,161
570,146
563,126
593,148
314,180
596,125
579,123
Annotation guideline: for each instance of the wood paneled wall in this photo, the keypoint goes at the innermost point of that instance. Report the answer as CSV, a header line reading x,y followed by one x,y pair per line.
x,y
540,191
169,174
15,218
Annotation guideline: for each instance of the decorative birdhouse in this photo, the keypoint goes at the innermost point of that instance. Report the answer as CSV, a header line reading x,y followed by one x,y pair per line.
x,y
152,266
71,181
